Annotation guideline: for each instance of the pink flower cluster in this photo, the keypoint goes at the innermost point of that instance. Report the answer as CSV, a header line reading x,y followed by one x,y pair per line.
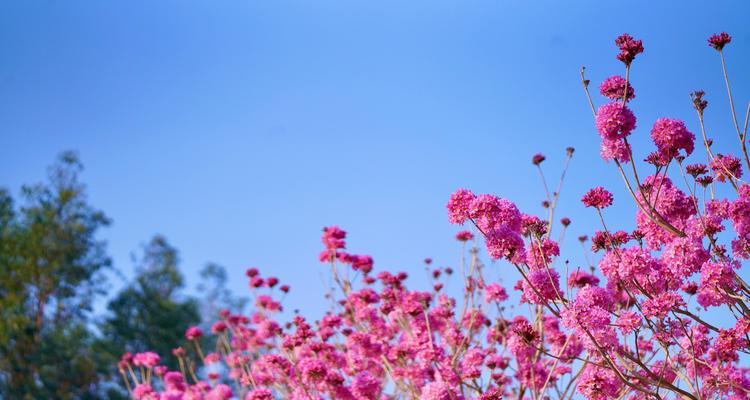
x,y
628,324
597,197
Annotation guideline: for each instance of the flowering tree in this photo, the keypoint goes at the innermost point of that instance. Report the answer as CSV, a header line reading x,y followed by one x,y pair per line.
x,y
622,330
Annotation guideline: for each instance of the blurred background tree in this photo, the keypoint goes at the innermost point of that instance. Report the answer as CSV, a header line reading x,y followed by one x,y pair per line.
x,y
50,271
151,314
52,346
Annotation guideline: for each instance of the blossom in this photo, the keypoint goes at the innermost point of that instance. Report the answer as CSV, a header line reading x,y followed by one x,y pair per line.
x,y
614,88
219,392
503,242
581,279
726,167
684,257
614,121
674,207
458,206
628,322
543,285
660,305
437,391
719,40
333,237
365,386
490,212
146,359
143,392
495,293
312,370
259,394
671,135
464,236
716,279
616,150
598,383
538,158
629,48
193,333
696,170
540,254
597,197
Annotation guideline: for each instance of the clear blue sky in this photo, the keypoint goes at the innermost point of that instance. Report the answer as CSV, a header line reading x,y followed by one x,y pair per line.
x,y
239,128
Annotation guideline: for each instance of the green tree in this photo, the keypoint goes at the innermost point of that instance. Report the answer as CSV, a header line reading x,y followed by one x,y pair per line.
x,y
215,294
150,314
50,271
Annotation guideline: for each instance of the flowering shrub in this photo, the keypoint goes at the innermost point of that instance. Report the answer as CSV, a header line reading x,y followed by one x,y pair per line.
x,y
623,329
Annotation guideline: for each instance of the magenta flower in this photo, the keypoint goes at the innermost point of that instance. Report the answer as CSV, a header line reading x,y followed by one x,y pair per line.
x,y
193,333
726,167
538,158
146,359
614,121
458,206
437,391
503,242
719,40
629,48
464,236
670,136
615,150
597,197
614,88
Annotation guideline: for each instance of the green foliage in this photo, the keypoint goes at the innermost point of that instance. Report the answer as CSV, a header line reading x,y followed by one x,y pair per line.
x,y
50,264
216,295
150,314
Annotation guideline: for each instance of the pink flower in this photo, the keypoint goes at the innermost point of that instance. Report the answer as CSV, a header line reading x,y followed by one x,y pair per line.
x,y
616,150
146,359
628,322
660,305
193,333
464,236
598,383
672,204
143,392
219,392
597,197
259,394
614,121
333,238
218,327
716,279
490,212
365,386
671,135
437,391
504,243
614,88
540,255
543,285
312,370
538,158
174,381
726,167
581,279
629,48
719,40
494,293
458,206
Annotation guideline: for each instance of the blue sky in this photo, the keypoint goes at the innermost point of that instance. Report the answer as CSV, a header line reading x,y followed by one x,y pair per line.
x,y
239,129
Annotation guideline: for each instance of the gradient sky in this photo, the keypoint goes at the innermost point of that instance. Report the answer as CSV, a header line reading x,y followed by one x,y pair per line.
x,y
239,129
